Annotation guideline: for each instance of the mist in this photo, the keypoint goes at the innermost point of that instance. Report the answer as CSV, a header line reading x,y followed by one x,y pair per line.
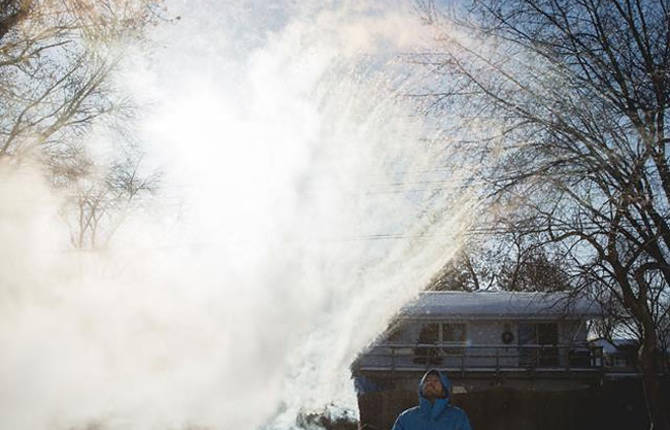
x,y
294,221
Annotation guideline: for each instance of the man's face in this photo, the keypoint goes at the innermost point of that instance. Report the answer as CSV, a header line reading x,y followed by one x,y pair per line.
x,y
432,387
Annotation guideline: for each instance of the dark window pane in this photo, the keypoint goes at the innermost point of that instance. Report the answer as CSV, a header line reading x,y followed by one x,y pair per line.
x,y
455,335
547,334
527,335
428,355
429,333
453,332
395,334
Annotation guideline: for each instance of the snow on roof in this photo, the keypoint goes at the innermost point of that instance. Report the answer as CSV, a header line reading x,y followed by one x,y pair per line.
x,y
499,304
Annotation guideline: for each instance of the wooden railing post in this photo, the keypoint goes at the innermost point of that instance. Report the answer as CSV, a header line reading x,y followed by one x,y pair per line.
x,y
497,359
463,363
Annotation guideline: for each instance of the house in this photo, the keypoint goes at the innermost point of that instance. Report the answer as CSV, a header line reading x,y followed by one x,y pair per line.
x,y
487,332
619,353
621,356
494,346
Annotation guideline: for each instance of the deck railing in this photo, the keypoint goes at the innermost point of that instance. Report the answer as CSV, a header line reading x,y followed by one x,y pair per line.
x,y
457,356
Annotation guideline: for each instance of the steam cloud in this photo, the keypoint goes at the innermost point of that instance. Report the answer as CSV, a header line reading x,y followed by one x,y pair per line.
x,y
294,222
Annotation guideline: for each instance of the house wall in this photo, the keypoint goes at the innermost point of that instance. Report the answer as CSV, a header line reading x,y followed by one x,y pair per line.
x,y
490,333
478,333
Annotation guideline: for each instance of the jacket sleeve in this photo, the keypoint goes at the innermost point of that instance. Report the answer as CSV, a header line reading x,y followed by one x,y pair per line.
x,y
398,424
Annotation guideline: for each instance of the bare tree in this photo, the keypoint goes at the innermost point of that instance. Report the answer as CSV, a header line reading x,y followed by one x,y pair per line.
x,y
574,95
55,61
101,196
463,273
56,58
511,261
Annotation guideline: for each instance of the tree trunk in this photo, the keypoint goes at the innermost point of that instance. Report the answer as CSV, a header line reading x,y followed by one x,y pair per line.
x,y
656,407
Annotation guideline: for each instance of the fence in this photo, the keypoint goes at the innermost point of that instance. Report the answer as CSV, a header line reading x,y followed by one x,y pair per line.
x,y
455,356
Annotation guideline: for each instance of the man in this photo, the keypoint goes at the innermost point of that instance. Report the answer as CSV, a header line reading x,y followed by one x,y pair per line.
x,y
434,412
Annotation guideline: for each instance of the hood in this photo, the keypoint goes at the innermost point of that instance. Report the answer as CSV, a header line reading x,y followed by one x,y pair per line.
x,y
435,409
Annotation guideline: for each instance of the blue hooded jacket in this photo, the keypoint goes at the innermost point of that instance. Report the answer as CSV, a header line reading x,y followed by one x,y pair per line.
x,y
440,415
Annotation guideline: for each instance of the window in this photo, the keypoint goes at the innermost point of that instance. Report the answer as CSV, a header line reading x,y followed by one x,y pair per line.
x,y
536,344
453,332
397,333
450,339
538,334
547,334
430,334
454,335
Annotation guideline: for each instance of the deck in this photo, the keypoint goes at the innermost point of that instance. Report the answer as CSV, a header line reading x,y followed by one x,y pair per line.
x,y
482,360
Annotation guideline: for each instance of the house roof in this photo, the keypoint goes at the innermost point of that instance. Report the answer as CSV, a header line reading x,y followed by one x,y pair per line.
x,y
499,304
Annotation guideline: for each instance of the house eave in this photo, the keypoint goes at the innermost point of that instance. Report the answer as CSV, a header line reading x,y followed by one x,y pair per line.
x,y
498,317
